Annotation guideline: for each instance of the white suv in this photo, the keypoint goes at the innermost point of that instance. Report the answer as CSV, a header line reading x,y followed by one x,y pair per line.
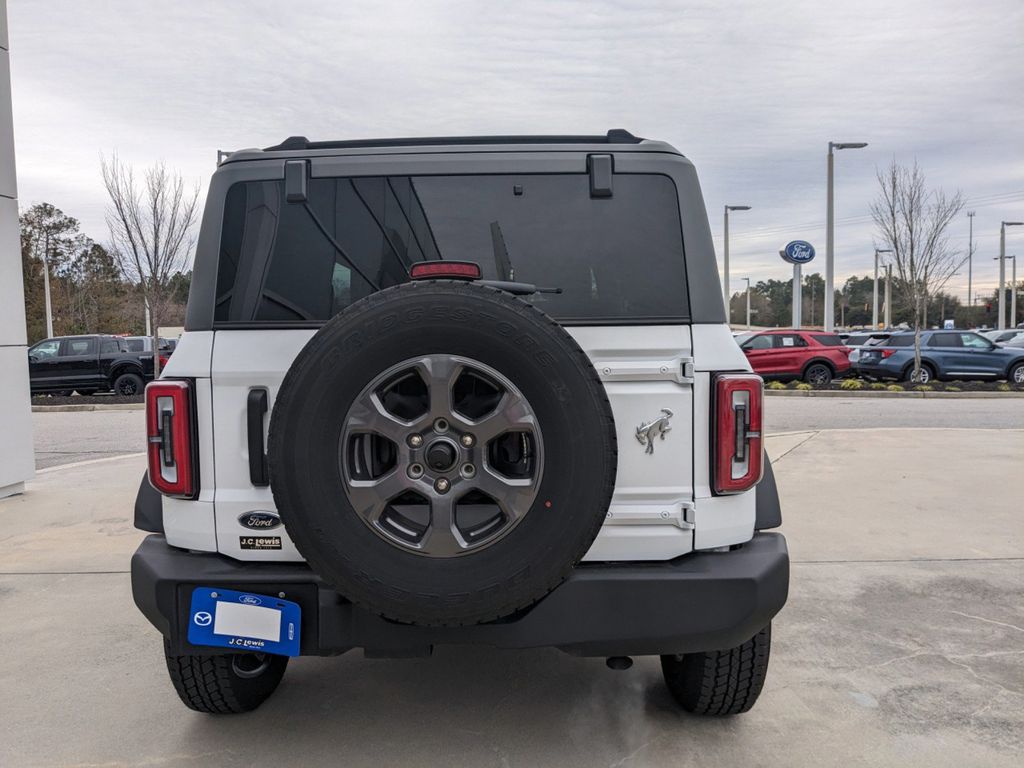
x,y
459,390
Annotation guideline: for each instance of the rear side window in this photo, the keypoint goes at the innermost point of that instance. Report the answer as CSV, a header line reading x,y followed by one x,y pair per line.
x,y
789,340
759,342
616,259
903,340
135,345
944,340
108,346
74,347
829,340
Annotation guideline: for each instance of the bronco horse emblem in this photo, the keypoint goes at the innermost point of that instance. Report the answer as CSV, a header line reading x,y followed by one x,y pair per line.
x,y
646,433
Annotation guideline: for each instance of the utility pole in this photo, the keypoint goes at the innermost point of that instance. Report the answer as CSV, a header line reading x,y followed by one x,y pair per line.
x,y
970,258
830,235
46,284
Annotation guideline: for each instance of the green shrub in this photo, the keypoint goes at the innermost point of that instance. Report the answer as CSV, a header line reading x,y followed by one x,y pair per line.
x,y
1003,387
803,386
877,385
774,385
852,384
895,388
793,385
951,388
924,388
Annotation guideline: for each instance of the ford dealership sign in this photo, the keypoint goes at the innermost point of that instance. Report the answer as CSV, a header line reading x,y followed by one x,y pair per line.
x,y
797,252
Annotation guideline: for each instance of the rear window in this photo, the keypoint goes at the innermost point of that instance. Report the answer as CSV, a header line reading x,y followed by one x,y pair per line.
x,y
616,259
828,340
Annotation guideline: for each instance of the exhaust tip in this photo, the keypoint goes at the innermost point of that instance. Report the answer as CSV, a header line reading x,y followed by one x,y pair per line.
x,y
619,662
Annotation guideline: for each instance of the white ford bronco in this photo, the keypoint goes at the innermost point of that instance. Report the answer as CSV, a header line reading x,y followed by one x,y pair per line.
x,y
458,390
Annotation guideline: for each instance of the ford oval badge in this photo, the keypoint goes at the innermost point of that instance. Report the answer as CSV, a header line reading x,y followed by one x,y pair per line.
x,y
259,520
797,252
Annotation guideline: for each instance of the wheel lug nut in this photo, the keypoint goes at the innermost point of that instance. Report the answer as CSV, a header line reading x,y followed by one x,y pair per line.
x,y
467,440
442,485
415,471
415,440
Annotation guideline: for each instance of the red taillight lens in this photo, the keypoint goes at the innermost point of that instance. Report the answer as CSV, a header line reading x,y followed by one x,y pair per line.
x,y
457,270
888,353
737,450
170,444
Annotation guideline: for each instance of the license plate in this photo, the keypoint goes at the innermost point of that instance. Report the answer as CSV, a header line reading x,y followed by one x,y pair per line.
x,y
244,621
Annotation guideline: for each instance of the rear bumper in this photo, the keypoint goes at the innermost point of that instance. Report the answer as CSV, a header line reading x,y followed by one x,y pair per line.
x,y
698,602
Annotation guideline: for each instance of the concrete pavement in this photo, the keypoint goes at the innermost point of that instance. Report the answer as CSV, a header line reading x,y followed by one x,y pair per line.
x,y
902,643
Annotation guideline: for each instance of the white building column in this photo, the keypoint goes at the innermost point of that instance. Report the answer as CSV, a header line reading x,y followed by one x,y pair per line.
x,y
16,460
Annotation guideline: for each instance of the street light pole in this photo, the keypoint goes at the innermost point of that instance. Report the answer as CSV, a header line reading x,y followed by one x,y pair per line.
x,y
888,295
1002,270
970,257
748,301
725,261
874,304
1013,292
46,285
829,234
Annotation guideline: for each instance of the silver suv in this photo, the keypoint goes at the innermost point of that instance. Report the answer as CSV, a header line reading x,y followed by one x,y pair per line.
x,y
458,390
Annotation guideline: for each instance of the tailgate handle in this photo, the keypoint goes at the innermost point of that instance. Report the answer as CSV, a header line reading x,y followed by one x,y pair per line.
x,y
256,409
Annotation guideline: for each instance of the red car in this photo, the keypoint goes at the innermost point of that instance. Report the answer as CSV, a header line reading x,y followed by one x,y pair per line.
x,y
813,356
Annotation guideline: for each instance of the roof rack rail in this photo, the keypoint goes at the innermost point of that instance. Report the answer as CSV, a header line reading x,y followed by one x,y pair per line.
x,y
614,136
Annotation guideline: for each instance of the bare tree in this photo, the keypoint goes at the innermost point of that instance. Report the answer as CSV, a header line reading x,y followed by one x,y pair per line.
x,y
912,221
151,230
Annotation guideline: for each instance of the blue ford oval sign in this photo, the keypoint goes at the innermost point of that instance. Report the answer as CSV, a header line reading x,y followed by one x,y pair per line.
x,y
797,252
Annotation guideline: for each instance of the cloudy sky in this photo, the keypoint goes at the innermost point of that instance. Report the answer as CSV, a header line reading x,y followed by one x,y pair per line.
x,y
751,91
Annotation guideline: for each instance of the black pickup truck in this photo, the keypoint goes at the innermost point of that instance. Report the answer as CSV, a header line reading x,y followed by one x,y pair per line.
x,y
87,364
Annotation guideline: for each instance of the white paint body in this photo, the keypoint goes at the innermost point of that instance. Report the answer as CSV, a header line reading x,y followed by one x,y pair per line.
x,y
662,506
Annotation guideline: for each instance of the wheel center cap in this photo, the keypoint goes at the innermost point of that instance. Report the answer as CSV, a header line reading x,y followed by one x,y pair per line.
x,y
441,455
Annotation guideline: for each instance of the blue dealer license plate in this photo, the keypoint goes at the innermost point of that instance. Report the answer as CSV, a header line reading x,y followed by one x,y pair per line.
x,y
244,621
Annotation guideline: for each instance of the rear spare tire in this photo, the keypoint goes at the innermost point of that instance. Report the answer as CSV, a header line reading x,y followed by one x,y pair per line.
x,y
442,453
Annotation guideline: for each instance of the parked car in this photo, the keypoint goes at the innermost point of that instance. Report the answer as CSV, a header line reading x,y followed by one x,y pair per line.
x,y
87,364
1000,337
861,339
1015,343
409,448
813,356
143,345
944,355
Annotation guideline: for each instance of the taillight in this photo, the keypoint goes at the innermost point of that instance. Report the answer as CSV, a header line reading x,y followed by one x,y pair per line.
x,y
170,438
455,270
737,449
887,352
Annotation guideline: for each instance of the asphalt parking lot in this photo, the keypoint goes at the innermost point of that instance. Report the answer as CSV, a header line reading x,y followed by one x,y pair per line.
x,y
902,642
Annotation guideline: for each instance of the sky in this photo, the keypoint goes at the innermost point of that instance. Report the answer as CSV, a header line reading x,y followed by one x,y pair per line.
x,y
751,92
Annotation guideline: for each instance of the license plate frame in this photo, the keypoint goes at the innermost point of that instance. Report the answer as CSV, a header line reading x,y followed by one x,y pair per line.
x,y
244,621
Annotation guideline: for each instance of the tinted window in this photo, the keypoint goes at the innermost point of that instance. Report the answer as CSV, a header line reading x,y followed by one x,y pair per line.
x,y
72,347
855,341
828,340
944,340
108,346
759,342
902,340
614,258
135,345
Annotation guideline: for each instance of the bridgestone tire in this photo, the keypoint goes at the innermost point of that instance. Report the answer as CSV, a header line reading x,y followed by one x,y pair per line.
x,y
500,331
212,684
719,682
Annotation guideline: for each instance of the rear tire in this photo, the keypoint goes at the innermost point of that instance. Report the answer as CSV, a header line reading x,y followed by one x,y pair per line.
x,y
128,385
719,682
227,684
1016,374
818,374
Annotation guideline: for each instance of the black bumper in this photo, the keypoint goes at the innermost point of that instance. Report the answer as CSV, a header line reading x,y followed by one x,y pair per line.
x,y
698,602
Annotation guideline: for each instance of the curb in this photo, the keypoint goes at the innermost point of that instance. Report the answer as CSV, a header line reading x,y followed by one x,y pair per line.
x,y
884,393
89,407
